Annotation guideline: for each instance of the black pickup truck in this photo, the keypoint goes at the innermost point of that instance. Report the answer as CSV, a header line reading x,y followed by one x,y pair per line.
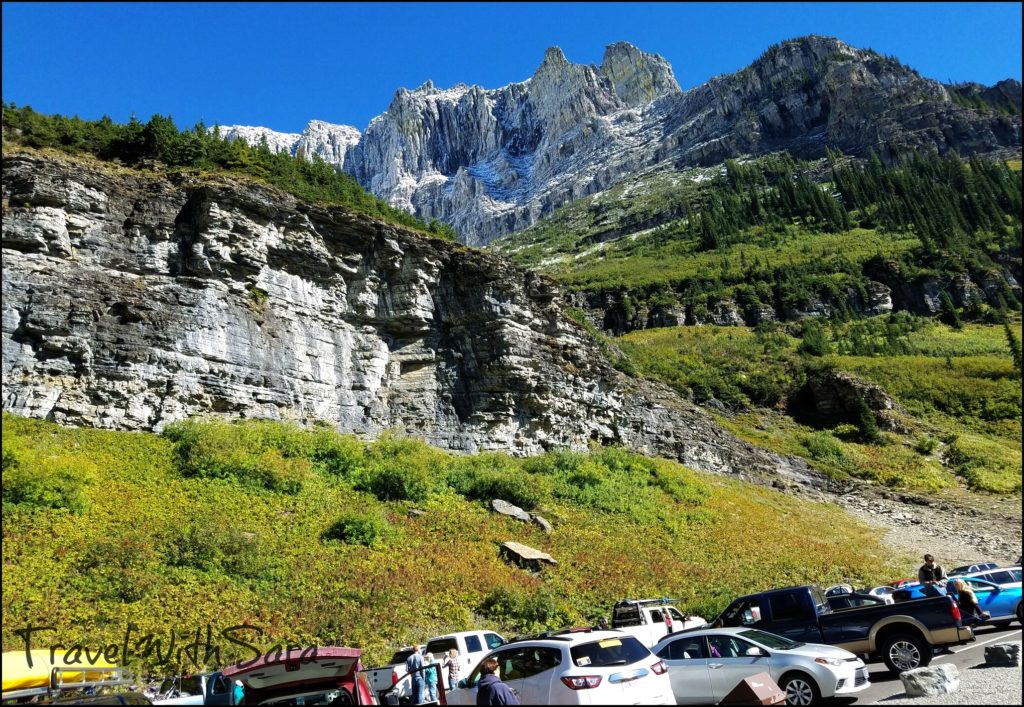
x,y
904,635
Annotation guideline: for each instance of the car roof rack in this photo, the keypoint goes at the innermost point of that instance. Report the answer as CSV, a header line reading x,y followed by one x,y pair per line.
x,y
646,602
564,634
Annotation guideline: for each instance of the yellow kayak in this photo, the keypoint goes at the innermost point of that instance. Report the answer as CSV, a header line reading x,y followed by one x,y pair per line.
x,y
18,676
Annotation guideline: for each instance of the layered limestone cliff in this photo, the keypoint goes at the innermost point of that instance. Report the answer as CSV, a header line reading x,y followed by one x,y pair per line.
x,y
130,301
494,161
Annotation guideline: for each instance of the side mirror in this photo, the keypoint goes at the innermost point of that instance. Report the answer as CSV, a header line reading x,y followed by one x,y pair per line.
x,y
461,683
754,651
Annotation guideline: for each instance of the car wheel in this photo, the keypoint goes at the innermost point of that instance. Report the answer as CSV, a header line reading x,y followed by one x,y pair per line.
x,y
905,651
800,690
1020,615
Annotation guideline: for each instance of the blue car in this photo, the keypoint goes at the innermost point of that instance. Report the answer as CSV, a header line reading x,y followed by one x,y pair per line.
x,y
1001,601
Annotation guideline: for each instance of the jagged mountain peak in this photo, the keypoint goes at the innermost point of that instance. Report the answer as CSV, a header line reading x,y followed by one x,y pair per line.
x,y
554,57
637,77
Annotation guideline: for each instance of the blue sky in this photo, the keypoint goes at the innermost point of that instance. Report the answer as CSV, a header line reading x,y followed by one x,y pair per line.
x,y
282,64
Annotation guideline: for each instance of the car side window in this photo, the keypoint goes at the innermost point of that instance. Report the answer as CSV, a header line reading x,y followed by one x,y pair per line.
x,y
474,677
676,616
692,648
493,640
473,644
728,647
536,660
786,607
656,616
744,613
515,664
1002,577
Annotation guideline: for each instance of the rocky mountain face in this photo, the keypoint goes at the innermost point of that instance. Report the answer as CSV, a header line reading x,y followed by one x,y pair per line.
x,y
620,312
130,301
331,142
493,161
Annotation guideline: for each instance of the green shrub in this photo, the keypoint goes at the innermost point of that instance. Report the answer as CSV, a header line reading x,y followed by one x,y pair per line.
x,y
525,612
360,528
926,445
247,452
45,481
823,447
488,476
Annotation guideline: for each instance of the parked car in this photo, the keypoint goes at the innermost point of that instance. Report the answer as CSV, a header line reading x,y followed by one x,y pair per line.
x,y
978,567
650,620
331,676
838,589
841,602
903,635
883,592
1002,602
1004,576
905,582
204,689
471,645
705,665
577,666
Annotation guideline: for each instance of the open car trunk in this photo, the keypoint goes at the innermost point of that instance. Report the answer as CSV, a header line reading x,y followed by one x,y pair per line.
x,y
282,677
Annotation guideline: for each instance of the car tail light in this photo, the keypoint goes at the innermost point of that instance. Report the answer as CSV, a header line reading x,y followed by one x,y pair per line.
x,y
659,668
394,677
581,682
955,609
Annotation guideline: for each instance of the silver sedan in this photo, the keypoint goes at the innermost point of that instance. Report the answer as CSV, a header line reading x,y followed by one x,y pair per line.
x,y
704,666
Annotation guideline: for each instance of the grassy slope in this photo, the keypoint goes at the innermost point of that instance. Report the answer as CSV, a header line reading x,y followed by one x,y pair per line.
x,y
165,551
959,387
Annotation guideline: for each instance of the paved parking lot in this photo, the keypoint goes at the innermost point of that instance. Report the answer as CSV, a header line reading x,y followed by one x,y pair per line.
x,y
884,684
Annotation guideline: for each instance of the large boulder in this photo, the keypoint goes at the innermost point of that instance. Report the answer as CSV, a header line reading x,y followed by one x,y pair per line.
x,y
1007,654
525,556
931,681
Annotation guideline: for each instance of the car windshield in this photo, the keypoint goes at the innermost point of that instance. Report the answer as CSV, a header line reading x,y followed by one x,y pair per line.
x,y
770,640
620,650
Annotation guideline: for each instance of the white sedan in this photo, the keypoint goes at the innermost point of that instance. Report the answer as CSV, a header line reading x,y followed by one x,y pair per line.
x,y
704,666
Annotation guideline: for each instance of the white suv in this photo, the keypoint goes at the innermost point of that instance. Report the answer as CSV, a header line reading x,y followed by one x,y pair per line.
x,y
576,667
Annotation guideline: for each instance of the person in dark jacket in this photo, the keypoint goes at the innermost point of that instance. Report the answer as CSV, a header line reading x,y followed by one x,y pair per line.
x,y
491,690
932,577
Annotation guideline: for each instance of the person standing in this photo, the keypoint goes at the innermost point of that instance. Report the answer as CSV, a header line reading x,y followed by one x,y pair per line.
x,y
451,662
237,693
414,668
931,576
491,690
430,674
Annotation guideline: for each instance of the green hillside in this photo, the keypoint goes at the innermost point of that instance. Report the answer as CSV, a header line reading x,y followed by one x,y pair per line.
x,y
961,391
308,535
781,232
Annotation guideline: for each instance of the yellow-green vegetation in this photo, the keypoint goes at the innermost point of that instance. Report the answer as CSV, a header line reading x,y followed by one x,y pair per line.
x,y
960,388
307,534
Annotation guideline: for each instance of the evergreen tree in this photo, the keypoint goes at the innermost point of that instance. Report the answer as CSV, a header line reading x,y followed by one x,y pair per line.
x,y
1014,343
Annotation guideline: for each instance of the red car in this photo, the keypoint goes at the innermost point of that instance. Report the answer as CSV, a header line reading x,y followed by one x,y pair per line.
x,y
330,677
900,583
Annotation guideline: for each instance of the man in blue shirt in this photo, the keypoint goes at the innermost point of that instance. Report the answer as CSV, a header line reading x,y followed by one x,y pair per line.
x,y
414,667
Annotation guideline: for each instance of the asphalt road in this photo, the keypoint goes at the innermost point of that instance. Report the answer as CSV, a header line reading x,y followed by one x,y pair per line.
x,y
885,684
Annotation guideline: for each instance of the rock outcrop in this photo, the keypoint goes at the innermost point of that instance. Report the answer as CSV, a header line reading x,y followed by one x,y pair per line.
x,y
492,161
131,301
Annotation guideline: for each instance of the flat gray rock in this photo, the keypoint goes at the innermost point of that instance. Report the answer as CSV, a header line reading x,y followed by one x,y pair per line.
x,y
525,556
508,509
544,524
1003,654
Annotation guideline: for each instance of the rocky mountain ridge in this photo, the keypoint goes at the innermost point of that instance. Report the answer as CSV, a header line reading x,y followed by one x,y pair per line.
x,y
492,161
132,300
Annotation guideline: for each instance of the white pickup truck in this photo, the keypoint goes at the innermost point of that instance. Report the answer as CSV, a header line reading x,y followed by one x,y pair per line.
x,y
650,620
390,682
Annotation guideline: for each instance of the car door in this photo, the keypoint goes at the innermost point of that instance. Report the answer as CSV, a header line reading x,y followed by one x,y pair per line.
x,y
219,690
537,668
687,661
729,664
508,660
990,597
793,618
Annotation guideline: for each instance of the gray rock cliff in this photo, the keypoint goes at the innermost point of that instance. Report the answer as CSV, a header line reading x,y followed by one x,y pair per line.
x,y
492,161
131,301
